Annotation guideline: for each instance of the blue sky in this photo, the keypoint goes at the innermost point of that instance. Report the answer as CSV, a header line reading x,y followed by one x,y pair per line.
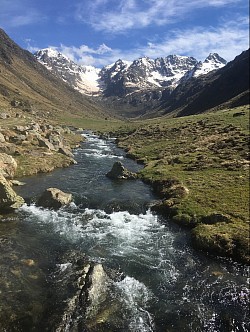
x,y
98,32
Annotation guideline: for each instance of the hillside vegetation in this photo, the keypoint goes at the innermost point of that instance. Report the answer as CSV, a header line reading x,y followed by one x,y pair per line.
x,y
28,87
199,165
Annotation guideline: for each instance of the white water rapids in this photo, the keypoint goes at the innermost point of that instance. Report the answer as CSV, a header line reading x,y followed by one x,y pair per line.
x,y
166,286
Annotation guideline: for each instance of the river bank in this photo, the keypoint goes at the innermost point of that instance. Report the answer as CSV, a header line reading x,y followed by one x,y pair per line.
x,y
32,148
148,278
199,166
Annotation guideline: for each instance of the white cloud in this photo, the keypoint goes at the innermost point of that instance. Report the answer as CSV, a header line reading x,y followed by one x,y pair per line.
x,y
29,46
229,40
120,15
199,43
83,54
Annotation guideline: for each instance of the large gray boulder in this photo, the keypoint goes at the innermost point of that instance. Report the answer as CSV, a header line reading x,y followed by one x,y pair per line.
x,y
118,171
54,198
8,198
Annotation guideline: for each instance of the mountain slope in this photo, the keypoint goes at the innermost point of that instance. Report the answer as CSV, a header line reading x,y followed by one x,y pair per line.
x,y
229,86
26,84
82,78
130,88
144,73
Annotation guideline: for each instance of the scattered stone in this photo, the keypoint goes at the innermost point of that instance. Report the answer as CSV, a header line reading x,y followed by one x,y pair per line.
x,y
21,129
16,103
238,114
18,139
7,148
54,198
66,151
44,143
4,116
17,183
118,171
28,262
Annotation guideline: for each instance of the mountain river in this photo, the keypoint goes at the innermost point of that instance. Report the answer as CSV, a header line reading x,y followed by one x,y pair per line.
x,y
164,284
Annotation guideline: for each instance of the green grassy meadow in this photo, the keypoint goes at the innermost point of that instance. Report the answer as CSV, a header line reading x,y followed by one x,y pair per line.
x,y
199,165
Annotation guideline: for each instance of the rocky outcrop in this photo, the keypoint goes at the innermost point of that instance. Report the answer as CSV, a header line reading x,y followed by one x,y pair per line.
x,y
37,148
36,135
54,198
8,165
97,292
118,172
8,198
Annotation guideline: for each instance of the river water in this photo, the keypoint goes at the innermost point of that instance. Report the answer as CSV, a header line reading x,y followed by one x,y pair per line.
x,y
165,284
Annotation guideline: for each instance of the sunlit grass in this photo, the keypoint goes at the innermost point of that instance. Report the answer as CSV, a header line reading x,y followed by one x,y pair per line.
x,y
209,155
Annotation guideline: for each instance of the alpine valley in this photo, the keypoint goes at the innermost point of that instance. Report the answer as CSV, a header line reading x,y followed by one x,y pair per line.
x,y
124,193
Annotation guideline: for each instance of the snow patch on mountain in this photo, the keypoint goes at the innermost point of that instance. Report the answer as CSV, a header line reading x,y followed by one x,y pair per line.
x,y
90,81
83,78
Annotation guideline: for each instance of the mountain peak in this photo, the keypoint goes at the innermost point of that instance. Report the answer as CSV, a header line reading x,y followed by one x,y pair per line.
x,y
212,62
123,78
50,53
216,58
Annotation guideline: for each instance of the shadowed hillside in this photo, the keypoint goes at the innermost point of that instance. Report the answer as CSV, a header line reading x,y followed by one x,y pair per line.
x,y
227,87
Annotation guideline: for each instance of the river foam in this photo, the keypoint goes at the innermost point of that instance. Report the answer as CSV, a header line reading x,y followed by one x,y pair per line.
x,y
119,234
166,285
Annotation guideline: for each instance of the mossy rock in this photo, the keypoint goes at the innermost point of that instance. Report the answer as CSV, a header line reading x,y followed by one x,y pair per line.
x,y
168,208
215,218
223,240
184,219
177,191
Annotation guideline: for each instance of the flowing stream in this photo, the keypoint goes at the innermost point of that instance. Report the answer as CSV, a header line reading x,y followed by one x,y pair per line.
x,y
165,284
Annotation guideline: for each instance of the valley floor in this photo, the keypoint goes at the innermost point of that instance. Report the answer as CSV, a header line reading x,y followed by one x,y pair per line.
x,y
198,165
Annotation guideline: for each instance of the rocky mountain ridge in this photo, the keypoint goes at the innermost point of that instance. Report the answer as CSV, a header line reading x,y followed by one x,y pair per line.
x,y
82,78
123,78
224,88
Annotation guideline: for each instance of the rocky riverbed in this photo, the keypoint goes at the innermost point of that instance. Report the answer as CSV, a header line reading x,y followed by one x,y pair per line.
x,y
105,262
30,149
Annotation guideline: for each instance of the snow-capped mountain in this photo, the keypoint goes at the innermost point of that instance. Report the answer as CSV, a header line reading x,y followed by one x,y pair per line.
x,y
123,78
212,62
83,78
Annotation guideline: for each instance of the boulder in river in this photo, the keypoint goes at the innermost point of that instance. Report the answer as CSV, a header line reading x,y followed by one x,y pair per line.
x,y
118,171
54,198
